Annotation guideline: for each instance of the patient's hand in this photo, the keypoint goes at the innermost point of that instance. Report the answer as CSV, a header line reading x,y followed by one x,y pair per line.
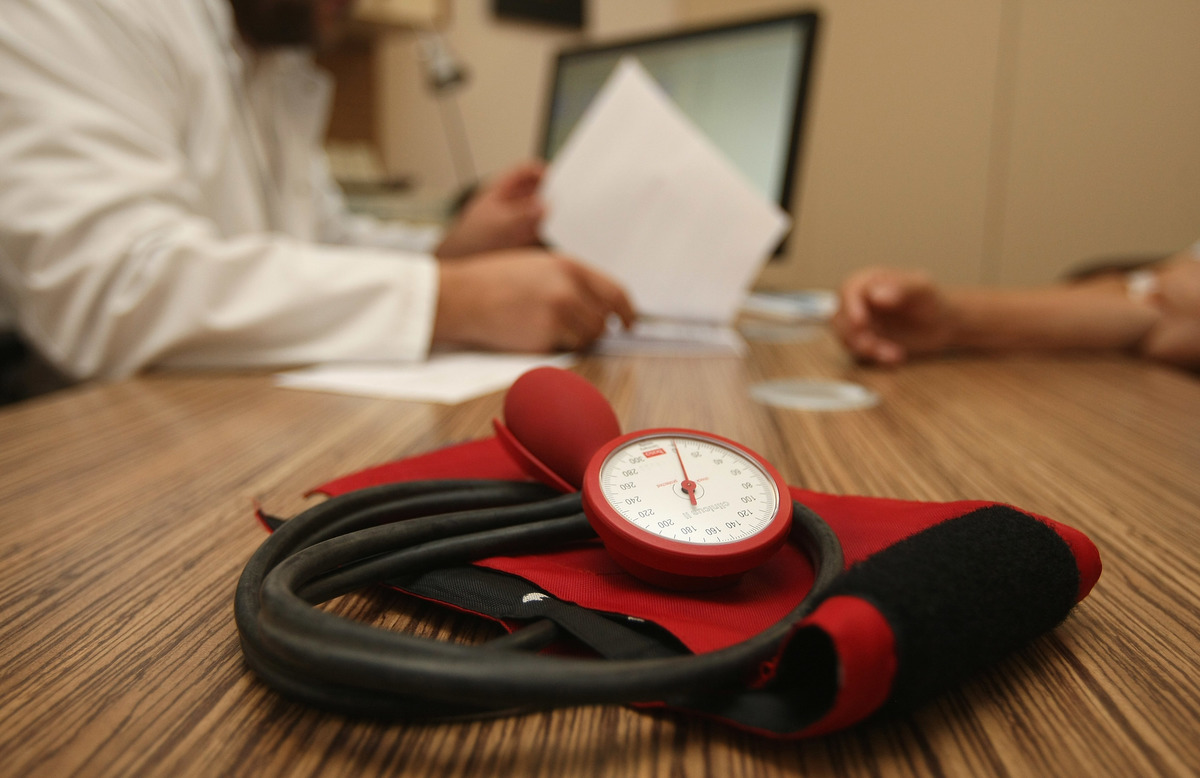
x,y
1175,337
887,315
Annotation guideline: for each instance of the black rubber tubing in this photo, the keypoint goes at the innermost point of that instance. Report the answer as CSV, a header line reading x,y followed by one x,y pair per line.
x,y
370,535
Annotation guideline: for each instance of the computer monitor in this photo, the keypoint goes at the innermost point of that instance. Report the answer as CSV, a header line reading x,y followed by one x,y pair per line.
x,y
743,84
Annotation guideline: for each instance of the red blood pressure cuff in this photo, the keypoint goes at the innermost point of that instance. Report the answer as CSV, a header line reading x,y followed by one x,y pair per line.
x,y
931,593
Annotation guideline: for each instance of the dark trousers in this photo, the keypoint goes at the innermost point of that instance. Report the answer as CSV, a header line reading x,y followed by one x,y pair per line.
x,y
23,373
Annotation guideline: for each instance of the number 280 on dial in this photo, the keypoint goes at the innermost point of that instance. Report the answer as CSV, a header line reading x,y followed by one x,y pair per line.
x,y
685,509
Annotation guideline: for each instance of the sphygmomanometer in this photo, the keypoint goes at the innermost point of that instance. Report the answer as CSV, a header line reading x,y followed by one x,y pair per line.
x,y
661,568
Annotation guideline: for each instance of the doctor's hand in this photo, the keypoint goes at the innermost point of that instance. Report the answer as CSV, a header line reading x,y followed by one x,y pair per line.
x,y
527,300
505,214
887,316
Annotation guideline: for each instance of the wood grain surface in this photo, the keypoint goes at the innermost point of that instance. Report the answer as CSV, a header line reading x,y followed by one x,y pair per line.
x,y
126,517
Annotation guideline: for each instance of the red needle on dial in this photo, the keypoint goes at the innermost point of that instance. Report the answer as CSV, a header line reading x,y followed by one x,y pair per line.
x,y
687,484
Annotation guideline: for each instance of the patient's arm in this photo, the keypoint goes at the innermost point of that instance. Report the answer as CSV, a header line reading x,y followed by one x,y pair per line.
x,y
888,316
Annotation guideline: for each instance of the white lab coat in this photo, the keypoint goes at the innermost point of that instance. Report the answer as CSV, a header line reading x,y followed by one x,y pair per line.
x,y
164,200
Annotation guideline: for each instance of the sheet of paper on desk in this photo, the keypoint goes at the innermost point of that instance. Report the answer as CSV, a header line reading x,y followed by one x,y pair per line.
x,y
641,194
444,378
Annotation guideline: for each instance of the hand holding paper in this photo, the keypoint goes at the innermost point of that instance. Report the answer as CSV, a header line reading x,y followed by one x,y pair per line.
x,y
642,195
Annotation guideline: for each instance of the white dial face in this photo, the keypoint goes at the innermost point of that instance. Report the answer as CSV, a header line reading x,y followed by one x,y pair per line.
x,y
689,489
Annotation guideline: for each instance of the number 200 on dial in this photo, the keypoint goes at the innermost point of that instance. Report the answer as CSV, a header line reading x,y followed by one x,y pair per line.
x,y
685,509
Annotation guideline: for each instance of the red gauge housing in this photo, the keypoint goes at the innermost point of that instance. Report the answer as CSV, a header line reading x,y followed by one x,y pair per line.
x,y
682,564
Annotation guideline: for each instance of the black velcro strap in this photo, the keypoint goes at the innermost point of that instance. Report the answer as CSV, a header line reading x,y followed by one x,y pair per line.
x,y
508,597
963,594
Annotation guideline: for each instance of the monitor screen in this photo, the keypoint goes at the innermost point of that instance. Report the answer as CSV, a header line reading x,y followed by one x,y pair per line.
x,y
742,84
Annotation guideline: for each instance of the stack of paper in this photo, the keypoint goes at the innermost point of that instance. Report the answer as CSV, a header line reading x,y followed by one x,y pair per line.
x,y
443,378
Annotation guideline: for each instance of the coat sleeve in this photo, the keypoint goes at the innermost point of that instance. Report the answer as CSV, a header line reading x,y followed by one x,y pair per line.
x,y
109,253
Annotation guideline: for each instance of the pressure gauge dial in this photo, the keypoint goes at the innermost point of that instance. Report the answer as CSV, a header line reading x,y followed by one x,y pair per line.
x,y
685,509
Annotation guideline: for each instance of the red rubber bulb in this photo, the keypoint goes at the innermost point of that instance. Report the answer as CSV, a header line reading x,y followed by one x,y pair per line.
x,y
561,419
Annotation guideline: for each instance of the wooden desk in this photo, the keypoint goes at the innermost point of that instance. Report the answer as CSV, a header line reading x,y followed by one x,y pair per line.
x,y
126,519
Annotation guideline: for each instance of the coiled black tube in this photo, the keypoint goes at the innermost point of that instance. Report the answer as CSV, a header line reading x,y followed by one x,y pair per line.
x,y
371,535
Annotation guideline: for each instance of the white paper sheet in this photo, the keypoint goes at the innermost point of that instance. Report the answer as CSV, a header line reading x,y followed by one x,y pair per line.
x,y
640,193
443,378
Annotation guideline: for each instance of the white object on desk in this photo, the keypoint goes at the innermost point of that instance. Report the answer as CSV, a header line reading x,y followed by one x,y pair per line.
x,y
641,194
672,338
443,378
814,394
801,305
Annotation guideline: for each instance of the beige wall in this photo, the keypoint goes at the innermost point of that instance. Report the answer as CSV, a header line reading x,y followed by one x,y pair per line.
x,y
895,159
502,103
996,141
1103,135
